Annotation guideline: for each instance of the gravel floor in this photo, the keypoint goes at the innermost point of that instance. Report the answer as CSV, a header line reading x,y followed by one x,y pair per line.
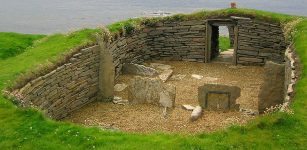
x,y
148,118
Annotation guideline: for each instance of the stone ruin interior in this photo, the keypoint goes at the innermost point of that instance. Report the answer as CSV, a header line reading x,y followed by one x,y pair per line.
x,y
170,78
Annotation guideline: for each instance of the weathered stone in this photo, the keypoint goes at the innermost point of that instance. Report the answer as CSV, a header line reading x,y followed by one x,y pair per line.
x,y
167,96
218,97
136,69
120,87
165,75
272,90
151,90
196,76
196,113
106,71
188,107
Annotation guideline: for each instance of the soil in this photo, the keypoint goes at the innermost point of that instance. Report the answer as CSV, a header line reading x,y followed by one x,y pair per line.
x,y
147,118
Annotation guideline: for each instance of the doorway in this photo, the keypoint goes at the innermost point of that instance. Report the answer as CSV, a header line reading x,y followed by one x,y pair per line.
x,y
221,41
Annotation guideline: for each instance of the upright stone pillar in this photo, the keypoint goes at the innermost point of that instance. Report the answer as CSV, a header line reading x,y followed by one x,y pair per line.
x,y
106,69
272,91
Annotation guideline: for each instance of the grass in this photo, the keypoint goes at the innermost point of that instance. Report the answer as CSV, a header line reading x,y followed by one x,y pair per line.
x,y
12,44
224,43
29,129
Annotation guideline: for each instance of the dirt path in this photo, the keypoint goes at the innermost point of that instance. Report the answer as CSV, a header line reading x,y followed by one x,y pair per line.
x,y
148,118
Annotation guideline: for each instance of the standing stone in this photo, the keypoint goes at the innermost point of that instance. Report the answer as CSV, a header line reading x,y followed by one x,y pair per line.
x,y
136,69
106,69
272,91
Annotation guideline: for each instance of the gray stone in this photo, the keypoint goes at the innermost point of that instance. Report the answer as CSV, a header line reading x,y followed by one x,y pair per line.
x,y
136,69
106,71
165,75
272,91
151,90
218,97
196,113
167,96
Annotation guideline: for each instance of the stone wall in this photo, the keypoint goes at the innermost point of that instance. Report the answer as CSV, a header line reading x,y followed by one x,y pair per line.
x,y
183,40
130,49
66,88
259,41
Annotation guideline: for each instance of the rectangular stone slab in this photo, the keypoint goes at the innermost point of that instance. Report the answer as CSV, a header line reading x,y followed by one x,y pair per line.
x,y
218,97
218,100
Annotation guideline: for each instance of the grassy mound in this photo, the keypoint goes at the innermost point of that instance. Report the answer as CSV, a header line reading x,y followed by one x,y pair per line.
x,y
12,44
29,129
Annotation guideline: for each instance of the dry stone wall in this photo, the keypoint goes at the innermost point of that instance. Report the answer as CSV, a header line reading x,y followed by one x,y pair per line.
x,y
259,41
66,88
130,49
183,40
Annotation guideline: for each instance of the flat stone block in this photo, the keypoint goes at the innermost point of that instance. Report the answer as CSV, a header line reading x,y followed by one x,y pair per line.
x,y
218,97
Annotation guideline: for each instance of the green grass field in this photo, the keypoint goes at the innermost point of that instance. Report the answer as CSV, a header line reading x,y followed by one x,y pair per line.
x,y
12,44
22,128
224,43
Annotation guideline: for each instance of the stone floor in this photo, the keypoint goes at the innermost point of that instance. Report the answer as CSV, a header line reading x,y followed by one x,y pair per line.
x,y
148,118
225,57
